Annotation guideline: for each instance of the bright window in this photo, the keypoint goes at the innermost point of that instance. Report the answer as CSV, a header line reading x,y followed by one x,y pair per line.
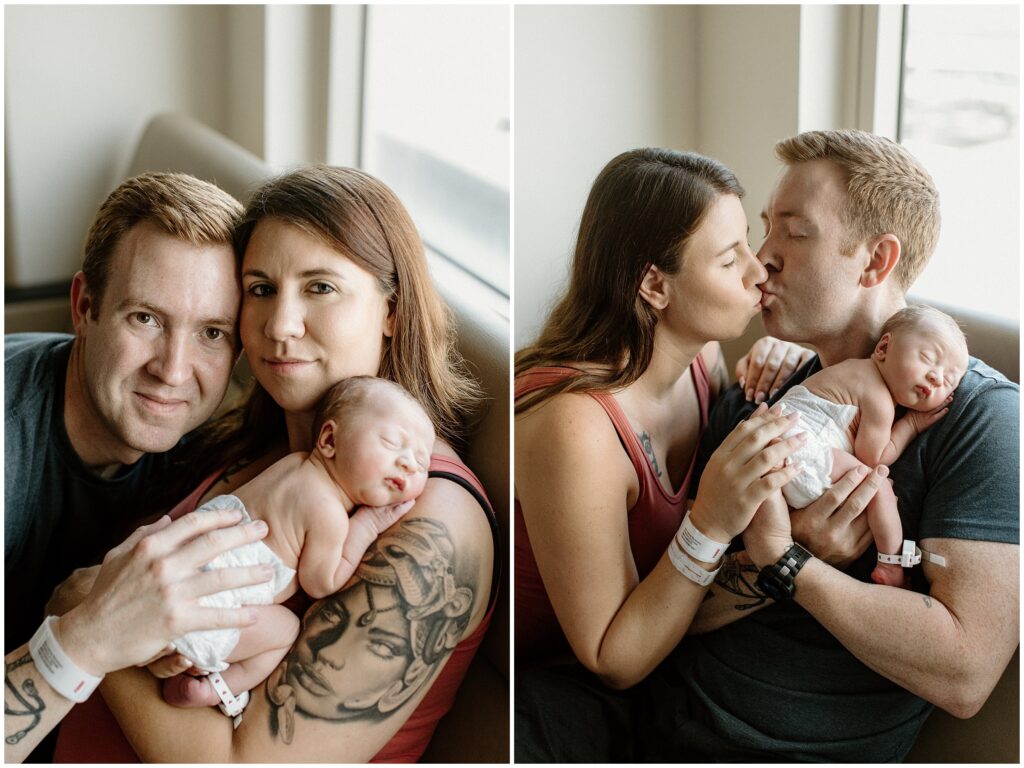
x,y
436,126
959,116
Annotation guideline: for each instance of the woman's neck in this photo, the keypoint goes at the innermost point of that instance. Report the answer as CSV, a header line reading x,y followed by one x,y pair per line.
x,y
670,359
300,430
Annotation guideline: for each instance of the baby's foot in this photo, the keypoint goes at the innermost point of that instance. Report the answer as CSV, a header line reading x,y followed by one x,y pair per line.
x,y
188,691
889,574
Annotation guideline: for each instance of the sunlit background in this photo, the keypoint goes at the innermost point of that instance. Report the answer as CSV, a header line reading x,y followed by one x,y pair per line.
x,y
959,114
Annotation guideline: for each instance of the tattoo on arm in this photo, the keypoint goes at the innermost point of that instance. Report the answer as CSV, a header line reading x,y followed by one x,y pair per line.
x,y
645,440
368,649
740,579
21,700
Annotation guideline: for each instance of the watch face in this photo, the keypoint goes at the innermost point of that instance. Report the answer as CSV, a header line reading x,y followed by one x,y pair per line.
x,y
772,585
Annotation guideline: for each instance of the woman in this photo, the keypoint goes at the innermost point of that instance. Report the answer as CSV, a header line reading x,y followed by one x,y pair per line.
x,y
611,403
335,284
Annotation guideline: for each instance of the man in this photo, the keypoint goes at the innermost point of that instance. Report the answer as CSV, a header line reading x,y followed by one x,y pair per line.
x,y
843,669
90,418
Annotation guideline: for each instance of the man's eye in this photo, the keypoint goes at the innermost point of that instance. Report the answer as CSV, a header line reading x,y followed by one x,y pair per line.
x,y
144,318
214,334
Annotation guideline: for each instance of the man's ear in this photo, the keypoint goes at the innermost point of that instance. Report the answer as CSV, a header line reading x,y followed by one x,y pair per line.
x,y
884,255
882,347
653,288
81,303
325,440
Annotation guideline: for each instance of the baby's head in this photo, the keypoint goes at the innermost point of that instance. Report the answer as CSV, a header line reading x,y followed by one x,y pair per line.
x,y
922,355
375,439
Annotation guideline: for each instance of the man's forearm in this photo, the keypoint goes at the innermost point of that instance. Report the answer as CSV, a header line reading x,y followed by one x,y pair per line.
x,y
733,595
913,639
31,707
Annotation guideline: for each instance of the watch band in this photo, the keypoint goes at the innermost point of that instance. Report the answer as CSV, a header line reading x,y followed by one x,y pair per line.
x,y
777,580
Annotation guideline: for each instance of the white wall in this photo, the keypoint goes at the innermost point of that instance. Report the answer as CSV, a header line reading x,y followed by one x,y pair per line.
x,y
590,82
80,83
728,81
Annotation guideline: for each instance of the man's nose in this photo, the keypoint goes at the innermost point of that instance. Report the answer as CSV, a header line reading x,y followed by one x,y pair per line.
x,y
172,362
286,320
768,258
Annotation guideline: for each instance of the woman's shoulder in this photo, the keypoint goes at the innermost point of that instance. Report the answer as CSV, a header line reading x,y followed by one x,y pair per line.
x,y
567,415
456,517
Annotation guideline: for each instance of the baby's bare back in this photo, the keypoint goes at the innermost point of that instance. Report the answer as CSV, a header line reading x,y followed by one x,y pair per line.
x,y
859,383
296,499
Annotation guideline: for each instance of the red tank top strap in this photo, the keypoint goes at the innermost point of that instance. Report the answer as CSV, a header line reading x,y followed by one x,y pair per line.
x,y
191,502
539,378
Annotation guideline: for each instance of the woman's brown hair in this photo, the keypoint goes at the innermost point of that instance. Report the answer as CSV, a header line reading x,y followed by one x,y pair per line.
x,y
641,210
361,218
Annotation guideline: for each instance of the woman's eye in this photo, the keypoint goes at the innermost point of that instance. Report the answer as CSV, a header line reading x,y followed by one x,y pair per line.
x,y
322,288
259,290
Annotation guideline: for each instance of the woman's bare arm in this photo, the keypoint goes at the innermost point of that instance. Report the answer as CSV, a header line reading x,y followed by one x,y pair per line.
x,y
356,649
575,486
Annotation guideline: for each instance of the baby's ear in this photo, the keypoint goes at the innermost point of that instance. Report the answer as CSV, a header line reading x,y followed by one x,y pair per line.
x,y
325,440
882,347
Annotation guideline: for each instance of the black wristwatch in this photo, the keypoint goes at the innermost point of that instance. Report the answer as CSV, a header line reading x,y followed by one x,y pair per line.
x,y
776,580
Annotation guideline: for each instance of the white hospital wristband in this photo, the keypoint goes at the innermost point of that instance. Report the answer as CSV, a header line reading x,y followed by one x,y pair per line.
x,y
697,545
688,568
63,675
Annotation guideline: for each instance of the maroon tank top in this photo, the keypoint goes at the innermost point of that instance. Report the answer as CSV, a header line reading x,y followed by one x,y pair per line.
x,y
652,521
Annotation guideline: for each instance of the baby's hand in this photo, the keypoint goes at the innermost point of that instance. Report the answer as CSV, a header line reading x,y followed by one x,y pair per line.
x,y
379,519
922,420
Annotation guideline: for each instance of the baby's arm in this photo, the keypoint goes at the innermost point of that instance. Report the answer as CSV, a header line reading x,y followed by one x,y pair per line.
x,y
333,549
874,434
909,426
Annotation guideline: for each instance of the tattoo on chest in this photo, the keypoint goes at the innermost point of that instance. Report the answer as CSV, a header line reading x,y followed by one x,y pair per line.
x,y
645,440
740,579
21,701
367,650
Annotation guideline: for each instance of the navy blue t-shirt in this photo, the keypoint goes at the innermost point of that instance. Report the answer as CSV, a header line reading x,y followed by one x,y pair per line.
x,y
58,515
778,684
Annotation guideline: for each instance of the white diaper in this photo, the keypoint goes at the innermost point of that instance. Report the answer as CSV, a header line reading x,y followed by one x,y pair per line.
x,y
208,649
826,425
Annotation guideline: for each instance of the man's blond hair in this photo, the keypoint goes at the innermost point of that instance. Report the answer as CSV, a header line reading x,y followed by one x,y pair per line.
x,y
192,210
888,191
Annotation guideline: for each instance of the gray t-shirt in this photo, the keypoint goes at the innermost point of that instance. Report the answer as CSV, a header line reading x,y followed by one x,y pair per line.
x,y
58,515
777,683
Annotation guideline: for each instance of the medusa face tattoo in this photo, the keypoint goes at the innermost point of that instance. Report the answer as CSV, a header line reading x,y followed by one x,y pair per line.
x,y
371,647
